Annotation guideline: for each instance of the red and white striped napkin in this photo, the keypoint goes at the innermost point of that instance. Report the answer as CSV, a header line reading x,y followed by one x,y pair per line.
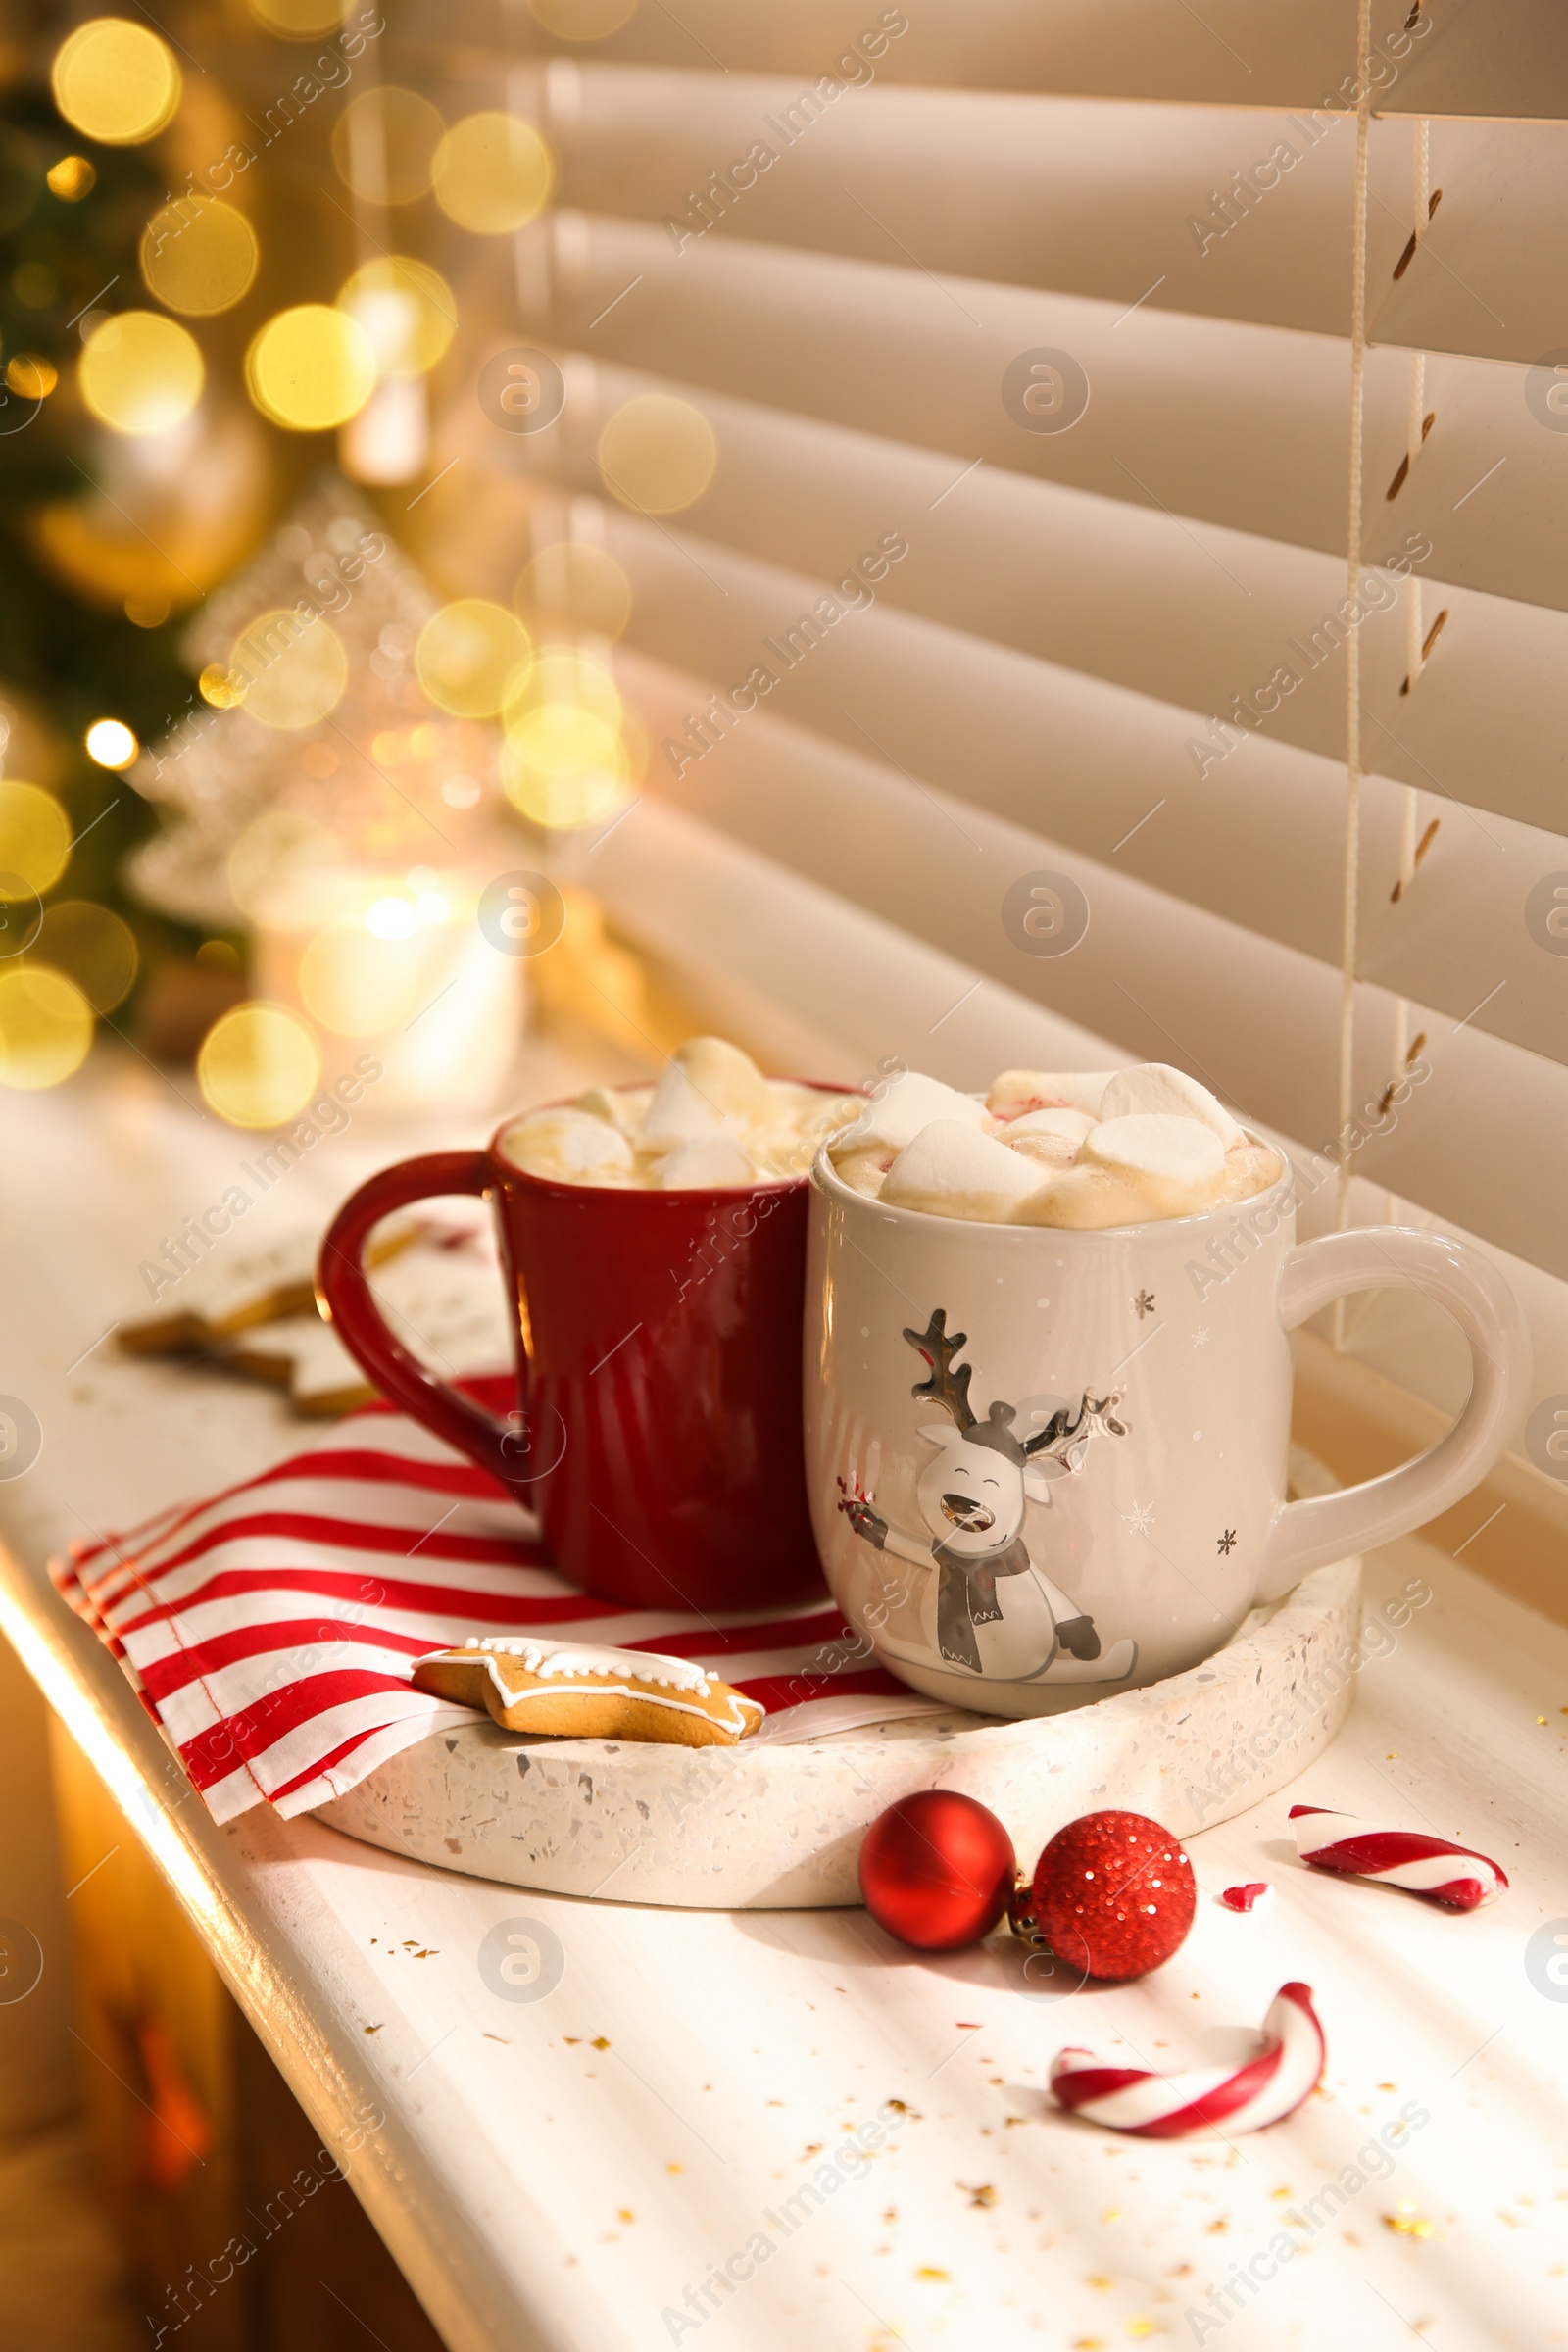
x,y
272,1629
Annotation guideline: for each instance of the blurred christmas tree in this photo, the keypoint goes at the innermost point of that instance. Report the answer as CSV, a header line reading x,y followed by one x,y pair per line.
x,y
79,640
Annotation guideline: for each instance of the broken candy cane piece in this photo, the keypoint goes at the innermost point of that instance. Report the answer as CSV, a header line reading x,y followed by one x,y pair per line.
x,y
1207,2102
1243,1899
1454,1876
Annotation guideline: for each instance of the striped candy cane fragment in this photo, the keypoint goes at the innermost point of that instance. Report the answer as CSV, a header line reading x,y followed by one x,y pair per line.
x,y
1455,1876
1215,2102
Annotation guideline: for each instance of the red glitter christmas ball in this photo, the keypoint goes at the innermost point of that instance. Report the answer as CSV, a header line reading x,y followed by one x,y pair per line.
x,y
1113,1895
937,1870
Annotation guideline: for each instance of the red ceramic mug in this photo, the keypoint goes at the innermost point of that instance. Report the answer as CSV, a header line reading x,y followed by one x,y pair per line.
x,y
658,1430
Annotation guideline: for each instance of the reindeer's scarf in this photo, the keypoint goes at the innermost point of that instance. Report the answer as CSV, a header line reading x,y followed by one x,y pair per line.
x,y
967,1597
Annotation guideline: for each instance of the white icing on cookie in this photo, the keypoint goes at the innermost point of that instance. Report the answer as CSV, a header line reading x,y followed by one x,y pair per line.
x,y
550,1660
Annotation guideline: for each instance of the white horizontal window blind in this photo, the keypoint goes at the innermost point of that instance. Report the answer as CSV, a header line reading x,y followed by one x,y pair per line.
x,y
1141,476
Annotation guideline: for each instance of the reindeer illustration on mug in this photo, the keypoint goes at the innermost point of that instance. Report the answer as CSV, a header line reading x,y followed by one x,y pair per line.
x,y
998,1613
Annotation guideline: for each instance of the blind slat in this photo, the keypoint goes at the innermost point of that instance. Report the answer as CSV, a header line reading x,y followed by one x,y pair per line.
x,y
1205,419
1036,757
1223,214
1207,621
1254,1020
1481,57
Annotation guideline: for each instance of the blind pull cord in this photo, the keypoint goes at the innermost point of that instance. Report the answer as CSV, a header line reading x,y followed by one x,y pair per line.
x,y
1353,648
1418,424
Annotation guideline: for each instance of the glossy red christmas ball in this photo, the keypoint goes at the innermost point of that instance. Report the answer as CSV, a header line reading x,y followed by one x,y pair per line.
x,y
1113,1895
937,1870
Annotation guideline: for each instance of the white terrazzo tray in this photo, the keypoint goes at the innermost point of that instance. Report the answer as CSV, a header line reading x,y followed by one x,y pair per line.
x,y
778,1826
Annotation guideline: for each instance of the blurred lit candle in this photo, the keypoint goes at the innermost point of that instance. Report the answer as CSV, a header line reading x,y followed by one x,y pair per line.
x,y
395,965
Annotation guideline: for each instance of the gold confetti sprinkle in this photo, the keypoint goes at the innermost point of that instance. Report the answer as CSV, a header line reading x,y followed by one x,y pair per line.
x,y
1280,2192
625,2212
1088,2343
674,2168
1219,2228
1112,2212
928,2270
985,2195
598,2043
1540,1719
1408,2223
1141,2327
1101,2284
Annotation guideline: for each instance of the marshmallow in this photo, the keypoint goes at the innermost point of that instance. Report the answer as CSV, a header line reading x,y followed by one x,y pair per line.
x,y
1087,1199
1249,1168
1130,1171
677,1114
864,1170
1155,1089
951,1170
715,1164
907,1102
1177,1165
622,1108
570,1146
1049,1137
800,1118
728,1081
1016,1092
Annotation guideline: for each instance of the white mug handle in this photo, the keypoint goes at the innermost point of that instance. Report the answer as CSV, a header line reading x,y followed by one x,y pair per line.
x,y
1462,1279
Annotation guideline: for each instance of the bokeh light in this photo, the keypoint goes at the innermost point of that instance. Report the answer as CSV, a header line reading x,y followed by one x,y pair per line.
x,y
472,656
72,179
116,81
141,372
572,586
359,981
296,669
222,686
111,743
92,945
566,674
46,1026
492,173
298,20
564,766
583,19
657,453
199,255
407,308
258,1066
34,839
311,367
384,143
31,376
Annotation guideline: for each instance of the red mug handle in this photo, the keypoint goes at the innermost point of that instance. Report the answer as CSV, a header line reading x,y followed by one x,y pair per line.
x,y
347,1304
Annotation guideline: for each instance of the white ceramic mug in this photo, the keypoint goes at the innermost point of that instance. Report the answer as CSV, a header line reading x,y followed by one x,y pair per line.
x,y
1045,1466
